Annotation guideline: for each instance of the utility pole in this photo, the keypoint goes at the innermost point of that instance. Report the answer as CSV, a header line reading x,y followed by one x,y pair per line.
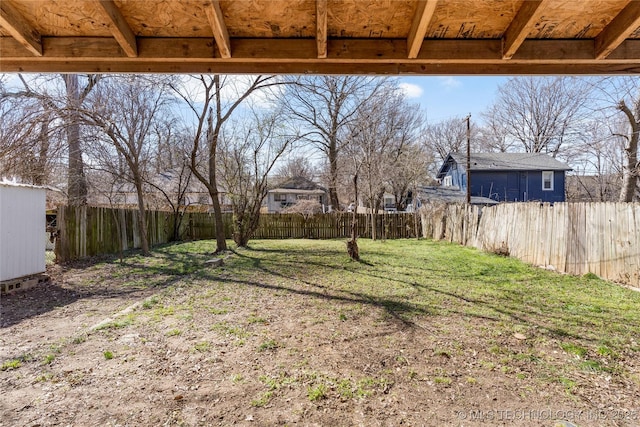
x,y
468,119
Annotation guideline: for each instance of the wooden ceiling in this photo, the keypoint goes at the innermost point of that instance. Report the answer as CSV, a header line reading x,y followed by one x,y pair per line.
x,y
321,36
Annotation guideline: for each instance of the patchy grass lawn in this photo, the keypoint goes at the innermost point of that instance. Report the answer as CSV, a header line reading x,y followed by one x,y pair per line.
x,y
293,332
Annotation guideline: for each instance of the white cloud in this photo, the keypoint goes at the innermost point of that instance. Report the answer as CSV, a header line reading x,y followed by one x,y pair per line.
x,y
449,82
411,90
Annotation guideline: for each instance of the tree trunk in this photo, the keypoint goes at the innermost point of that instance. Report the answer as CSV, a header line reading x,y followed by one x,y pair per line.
x,y
333,176
631,172
77,183
212,139
142,217
352,245
40,172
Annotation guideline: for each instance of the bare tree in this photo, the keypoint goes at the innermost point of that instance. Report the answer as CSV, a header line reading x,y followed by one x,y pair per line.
x,y
298,166
324,106
174,192
30,140
621,98
125,110
448,136
213,99
539,113
629,105
597,161
248,153
381,137
494,135
408,172
64,106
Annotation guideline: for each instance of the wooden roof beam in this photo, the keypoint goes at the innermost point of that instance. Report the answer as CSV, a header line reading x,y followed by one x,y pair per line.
x,y
106,50
119,28
220,33
521,26
625,23
12,21
419,26
321,28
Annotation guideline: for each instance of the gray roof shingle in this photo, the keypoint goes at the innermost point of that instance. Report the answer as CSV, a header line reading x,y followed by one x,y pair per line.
x,y
510,161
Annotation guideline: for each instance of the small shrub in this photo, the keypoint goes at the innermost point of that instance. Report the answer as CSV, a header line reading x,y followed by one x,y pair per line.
x,y
108,355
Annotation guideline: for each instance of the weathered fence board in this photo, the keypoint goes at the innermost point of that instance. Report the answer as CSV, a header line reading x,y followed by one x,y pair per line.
x,y
576,238
89,231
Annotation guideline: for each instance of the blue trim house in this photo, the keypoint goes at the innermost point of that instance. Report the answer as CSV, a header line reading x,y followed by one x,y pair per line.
x,y
507,177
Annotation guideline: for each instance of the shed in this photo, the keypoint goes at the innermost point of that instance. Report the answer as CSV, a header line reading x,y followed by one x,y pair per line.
x,y
22,231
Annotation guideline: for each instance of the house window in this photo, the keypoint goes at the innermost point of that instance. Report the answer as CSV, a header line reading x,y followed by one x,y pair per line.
x,y
547,180
448,182
279,197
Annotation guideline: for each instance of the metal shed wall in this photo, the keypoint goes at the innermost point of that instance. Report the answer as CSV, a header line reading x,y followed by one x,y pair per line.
x,y
22,227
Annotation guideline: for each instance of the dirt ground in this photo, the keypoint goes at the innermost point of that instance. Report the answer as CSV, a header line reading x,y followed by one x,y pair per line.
x,y
208,350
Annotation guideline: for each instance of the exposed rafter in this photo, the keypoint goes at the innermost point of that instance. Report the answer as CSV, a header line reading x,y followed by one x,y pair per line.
x,y
521,26
625,23
119,28
419,26
220,33
19,28
321,27
321,36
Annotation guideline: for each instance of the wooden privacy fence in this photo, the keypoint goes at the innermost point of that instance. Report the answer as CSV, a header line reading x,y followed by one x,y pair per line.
x,y
574,238
89,231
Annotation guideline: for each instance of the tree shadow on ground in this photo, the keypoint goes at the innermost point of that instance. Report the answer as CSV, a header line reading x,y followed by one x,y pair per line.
x,y
541,315
399,310
138,280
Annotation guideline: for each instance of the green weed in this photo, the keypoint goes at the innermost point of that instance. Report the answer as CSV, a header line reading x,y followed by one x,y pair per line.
x,y
317,392
574,349
262,400
268,345
202,347
10,365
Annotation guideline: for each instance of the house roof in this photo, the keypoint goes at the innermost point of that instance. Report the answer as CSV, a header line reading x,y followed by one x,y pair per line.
x,y
504,162
441,37
4,183
451,195
298,183
295,191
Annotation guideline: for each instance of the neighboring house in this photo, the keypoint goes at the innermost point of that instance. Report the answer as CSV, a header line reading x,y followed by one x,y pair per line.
x,y
196,196
507,177
288,192
447,195
388,204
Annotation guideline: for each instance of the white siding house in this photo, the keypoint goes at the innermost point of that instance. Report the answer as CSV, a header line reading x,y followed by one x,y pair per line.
x,y
22,230
291,191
